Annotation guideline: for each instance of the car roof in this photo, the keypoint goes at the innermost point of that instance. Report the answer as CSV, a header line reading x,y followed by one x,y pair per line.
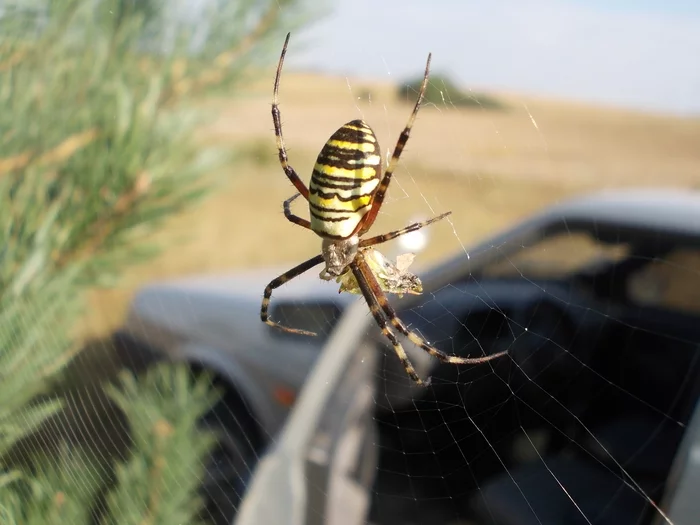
x,y
657,209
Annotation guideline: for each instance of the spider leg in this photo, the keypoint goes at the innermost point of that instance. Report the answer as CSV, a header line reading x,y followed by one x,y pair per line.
x,y
291,217
389,311
279,281
277,120
380,193
379,239
370,296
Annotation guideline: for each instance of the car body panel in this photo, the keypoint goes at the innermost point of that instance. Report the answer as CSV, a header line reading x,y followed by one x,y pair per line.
x,y
285,472
681,498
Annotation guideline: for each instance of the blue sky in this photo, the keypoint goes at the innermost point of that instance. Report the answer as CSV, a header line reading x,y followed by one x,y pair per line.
x,y
642,54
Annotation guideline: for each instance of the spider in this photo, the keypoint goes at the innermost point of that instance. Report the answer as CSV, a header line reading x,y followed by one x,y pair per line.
x,y
345,194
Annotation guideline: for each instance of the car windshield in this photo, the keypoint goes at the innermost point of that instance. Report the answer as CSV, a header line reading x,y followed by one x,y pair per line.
x,y
670,282
666,282
556,256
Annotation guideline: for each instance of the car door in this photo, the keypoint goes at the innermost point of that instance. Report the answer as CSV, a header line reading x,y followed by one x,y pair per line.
x,y
320,469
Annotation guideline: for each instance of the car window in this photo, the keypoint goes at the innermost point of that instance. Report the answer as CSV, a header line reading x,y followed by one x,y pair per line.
x,y
557,256
671,282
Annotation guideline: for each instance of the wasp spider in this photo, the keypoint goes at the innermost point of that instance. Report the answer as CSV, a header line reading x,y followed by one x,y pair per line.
x,y
345,195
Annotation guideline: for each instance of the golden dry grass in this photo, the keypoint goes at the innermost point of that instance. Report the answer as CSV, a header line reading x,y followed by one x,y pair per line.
x,y
490,168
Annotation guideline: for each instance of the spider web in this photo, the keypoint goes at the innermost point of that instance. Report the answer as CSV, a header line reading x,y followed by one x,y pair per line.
x,y
581,421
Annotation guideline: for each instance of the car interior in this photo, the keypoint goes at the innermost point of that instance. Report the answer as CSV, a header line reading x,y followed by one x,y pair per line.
x,y
580,424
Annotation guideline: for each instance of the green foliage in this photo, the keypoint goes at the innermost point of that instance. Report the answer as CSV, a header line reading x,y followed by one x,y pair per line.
x,y
58,489
34,347
96,152
157,484
159,481
442,92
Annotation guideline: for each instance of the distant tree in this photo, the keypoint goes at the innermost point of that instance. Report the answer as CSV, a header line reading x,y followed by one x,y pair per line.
x,y
96,151
443,92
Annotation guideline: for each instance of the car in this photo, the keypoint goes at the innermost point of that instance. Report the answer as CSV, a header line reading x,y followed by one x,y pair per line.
x,y
597,301
559,292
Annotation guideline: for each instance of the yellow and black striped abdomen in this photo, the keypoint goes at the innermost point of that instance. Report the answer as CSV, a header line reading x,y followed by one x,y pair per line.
x,y
344,179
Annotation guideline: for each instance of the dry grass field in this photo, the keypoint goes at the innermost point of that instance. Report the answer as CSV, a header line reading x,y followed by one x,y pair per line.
x,y
490,168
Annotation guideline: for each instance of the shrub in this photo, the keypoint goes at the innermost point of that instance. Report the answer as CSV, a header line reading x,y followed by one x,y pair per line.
x,y
96,151
442,92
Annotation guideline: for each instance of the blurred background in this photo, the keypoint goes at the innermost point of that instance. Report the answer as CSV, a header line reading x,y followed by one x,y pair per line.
x,y
527,105
136,144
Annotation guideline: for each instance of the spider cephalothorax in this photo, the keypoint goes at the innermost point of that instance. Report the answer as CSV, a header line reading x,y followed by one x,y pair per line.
x,y
345,194
338,255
